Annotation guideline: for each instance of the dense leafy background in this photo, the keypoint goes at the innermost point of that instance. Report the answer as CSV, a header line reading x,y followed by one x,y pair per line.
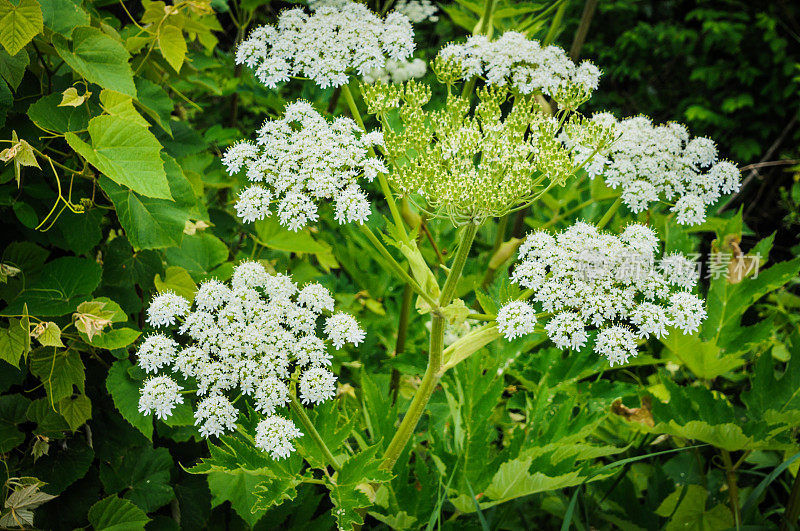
x,y
133,103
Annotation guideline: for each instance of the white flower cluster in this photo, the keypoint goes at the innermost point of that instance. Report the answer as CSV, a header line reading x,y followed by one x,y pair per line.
x,y
397,71
302,159
588,278
417,10
651,162
327,45
526,65
245,338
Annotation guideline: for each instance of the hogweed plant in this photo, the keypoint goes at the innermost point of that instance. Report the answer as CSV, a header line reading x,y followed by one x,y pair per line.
x,y
506,133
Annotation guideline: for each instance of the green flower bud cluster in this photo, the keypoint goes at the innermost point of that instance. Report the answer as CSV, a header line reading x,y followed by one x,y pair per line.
x,y
468,165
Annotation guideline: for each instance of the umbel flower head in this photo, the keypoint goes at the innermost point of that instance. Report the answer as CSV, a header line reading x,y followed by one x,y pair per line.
x,y
661,162
470,166
516,61
397,71
245,338
586,278
327,45
303,159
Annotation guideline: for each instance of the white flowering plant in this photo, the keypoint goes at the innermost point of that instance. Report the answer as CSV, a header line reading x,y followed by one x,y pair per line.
x,y
385,265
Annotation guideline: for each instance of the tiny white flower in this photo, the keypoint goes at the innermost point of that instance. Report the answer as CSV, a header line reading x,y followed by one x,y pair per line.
x,y
617,343
270,393
215,415
275,434
160,395
316,297
165,307
342,328
155,352
317,385
687,311
516,319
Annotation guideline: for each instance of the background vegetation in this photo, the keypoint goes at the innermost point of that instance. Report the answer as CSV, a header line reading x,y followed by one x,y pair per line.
x,y
113,119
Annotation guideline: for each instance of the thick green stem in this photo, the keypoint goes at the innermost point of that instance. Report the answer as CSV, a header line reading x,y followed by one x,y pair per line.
x,y
297,407
396,267
387,192
485,25
433,371
583,29
609,213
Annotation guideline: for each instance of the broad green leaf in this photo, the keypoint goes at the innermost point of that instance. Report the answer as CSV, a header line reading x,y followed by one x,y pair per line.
x,y
13,410
125,152
14,342
97,57
76,410
199,254
124,391
58,371
115,338
776,397
64,283
48,334
19,24
143,474
513,480
21,503
359,473
703,358
48,421
12,67
238,487
274,491
689,511
64,464
155,102
177,279
172,45
63,16
271,234
121,105
149,223
115,514
47,114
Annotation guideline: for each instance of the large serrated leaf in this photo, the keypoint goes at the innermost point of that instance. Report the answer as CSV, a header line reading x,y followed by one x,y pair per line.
x,y
124,391
125,152
115,514
19,24
97,57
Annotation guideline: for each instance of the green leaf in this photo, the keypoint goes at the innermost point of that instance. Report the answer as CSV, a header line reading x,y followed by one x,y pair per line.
x,y
143,473
172,45
149,223
115,338
19,24
97,57
124,391
774,397
115,514
692,513
76,410
198,254
48,334
155,102
63,16
271,234
14,342
121,105
12,67
48,422
358,474
125,152
13,410
238,487
47,114
64,464
177,279
58,371
703,358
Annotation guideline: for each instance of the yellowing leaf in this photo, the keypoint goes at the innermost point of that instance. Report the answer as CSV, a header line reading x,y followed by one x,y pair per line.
x,y
177,279
121,105
92,317
19,24
48,334
172,45
71,98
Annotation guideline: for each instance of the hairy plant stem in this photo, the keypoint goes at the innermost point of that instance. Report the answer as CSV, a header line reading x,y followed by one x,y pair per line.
x,y
583,29
297,407
387,192
733,488
609,213
433,370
